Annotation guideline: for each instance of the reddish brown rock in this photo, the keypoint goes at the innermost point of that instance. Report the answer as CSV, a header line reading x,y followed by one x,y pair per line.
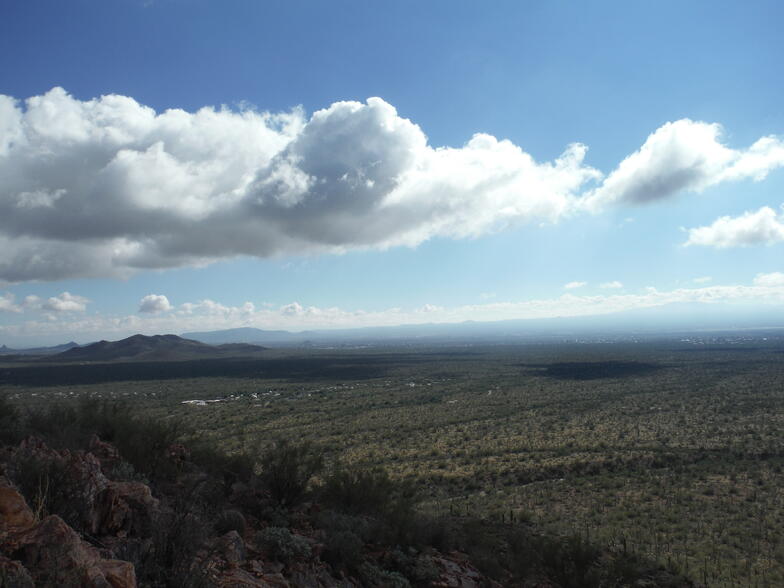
x,y
107,453
14,575
120,574
274,581
239,578
55,555
126,508
76,477
232,548
15,515
95,504
457,573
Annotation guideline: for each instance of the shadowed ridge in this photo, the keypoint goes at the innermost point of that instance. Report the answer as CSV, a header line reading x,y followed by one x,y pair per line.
x,y
155,347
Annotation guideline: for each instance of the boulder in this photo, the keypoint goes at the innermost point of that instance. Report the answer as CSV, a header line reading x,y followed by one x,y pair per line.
x,y
14,575
232,548
126,508
15,515
55,556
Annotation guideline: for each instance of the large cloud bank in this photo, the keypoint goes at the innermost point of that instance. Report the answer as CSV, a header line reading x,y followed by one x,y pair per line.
x,y
108,186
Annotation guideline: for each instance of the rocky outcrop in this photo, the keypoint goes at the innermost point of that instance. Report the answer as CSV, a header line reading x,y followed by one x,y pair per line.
x,y
56,556
91,502
49,552
15,515
73,481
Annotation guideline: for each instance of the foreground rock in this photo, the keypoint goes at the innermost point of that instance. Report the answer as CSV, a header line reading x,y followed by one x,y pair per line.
x,y
51,553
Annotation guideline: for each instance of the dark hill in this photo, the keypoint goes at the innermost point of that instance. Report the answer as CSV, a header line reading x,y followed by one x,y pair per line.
x,y
154,348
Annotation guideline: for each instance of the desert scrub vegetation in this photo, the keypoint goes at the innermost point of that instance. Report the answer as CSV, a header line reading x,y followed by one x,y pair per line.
x,y
668,450
366,524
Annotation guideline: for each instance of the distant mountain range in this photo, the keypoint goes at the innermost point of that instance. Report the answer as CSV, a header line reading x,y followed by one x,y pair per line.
x,y
647,322
153,348
660,321
38,350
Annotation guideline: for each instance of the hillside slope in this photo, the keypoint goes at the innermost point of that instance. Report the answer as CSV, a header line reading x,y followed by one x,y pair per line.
x,y
154,348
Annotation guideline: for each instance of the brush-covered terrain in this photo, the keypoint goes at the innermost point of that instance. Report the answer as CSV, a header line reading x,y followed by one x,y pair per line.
x,y
568,465
90,496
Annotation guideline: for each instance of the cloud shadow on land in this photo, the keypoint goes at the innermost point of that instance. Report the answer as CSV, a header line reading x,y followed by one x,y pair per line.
x,y
595,370
297,369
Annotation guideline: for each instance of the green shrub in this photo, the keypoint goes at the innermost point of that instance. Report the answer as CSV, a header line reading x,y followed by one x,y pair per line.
x,y
287,468
230,520
343,548
228,468
274,515
282,545
359,489
345,537
141,441
331,521
176,539
370,491
372,575
419,569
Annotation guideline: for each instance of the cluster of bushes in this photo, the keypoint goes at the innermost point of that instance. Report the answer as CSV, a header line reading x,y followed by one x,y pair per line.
x,y
361,508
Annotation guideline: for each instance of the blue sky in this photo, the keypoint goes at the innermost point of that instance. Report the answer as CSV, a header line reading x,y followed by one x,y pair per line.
x,y
330,210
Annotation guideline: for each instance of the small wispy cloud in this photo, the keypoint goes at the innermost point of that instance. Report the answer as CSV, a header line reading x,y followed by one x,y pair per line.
x,y
614,285
574,285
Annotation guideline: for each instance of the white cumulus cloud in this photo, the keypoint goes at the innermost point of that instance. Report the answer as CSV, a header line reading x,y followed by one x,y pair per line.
x,y
8,304
108,186
761,227
154,303
680,156
62,303
65,302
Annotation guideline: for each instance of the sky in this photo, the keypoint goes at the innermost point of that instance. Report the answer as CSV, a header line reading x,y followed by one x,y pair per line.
x,y
177,165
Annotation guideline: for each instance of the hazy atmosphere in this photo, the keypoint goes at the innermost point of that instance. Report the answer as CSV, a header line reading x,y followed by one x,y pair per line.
x,y
167,166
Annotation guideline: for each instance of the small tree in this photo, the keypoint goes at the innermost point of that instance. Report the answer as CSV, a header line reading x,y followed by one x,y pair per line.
x,y
287,468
